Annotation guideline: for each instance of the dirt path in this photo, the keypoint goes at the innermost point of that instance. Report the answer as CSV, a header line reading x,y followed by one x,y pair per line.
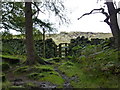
x,y
67,79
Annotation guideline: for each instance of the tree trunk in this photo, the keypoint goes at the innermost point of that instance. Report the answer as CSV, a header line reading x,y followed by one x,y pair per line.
x,y
114,23
29,34
43,42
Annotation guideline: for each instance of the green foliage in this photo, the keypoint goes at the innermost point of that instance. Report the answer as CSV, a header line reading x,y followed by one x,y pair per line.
x,y
20,36
7,35
68,68
94,67
17,47
13,16
76,48
13,47
37,34
82,58
90,49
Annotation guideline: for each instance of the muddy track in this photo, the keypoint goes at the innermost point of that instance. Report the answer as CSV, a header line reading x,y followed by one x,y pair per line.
x,y
67,79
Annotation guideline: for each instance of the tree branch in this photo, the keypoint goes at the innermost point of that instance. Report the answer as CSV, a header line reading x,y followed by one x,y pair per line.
x,y
38,9
117,10
102,11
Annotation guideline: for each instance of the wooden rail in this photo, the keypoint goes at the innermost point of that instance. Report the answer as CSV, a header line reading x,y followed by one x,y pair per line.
x,y
62,49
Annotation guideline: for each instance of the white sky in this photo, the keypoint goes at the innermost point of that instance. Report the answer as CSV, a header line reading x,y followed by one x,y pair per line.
x,y
89,23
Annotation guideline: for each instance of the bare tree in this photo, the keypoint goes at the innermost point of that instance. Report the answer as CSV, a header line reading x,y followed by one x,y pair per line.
x,y
111,20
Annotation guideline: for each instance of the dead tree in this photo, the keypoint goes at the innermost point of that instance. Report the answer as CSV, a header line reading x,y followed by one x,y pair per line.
x,y
111,20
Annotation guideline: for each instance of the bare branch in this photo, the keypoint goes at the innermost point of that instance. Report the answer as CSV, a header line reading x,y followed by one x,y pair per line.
x,y
38,9
101,11
90,12
118,10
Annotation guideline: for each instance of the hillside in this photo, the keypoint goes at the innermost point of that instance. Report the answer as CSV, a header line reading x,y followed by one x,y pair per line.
x,y
65,37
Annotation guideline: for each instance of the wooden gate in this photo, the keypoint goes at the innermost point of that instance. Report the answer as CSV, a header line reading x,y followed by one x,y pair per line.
x,y
62,49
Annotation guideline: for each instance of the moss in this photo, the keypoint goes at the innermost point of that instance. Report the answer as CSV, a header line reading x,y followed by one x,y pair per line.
x,y
30,85
57,59
21,70
46,73
10,59
42,68
69,69
5,66
55,79
35,76
18,88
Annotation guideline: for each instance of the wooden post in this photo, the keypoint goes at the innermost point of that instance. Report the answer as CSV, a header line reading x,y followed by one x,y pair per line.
x,y
65,49
43,42
55,50
59,50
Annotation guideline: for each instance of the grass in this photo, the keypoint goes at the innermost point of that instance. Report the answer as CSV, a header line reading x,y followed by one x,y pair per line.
x,y
69,69
94,69
53,78
6,85
89,71
89,80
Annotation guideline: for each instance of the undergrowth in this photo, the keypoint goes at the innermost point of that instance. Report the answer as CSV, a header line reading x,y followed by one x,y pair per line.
x,y
95,67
